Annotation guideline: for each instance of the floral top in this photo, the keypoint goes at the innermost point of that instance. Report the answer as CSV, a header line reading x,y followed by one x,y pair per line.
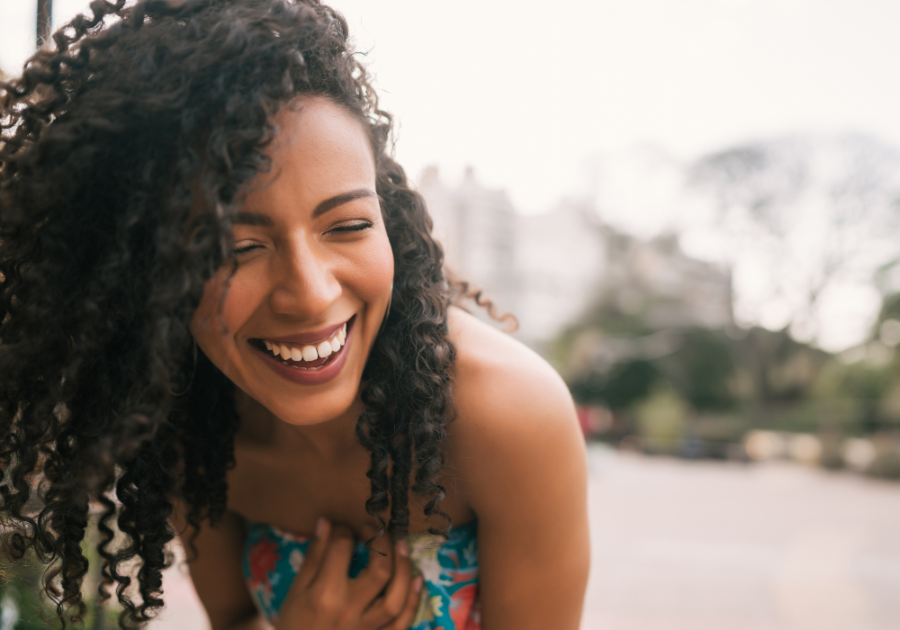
x,y
449,597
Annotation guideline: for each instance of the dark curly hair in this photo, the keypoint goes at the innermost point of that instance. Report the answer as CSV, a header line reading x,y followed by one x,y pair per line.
x,y
105,141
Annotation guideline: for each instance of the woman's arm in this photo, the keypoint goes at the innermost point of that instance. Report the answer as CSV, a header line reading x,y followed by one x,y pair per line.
x,y
521,462
216,573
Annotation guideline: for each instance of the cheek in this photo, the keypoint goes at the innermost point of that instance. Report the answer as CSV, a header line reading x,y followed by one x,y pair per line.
x,y
215,320
377,270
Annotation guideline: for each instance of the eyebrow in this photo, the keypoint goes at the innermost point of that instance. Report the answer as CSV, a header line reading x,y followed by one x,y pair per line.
x,y
257,219
339,200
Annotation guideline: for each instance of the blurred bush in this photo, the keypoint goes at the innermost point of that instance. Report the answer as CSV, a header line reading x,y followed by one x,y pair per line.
x,y
25,606
699,391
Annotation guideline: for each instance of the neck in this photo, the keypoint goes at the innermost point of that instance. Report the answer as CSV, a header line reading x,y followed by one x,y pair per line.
x,y
331,439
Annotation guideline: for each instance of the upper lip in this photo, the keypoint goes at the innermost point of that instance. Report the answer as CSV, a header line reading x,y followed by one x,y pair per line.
x,y
308,338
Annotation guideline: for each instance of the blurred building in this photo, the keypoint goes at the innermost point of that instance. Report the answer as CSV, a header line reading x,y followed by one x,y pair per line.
x,y
667,288
547,269
478,228
542,268
562,257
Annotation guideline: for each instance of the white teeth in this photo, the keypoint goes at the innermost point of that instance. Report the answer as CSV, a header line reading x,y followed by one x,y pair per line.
x,y
309,353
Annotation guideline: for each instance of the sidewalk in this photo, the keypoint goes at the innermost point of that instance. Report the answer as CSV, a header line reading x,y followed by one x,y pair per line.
x,y
714,546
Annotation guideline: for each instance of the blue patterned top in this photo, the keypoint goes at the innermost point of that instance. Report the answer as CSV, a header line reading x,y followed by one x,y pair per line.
x,y
449,597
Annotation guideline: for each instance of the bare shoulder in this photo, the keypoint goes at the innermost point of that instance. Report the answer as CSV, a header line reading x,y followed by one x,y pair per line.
x,y
501,384
513,409
519,461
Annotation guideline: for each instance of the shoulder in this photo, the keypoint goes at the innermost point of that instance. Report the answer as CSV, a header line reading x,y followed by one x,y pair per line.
x,y
512,408
501,383
517,456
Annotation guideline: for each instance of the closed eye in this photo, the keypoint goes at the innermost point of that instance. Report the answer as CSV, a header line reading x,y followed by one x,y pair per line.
x,y
237,251
353,227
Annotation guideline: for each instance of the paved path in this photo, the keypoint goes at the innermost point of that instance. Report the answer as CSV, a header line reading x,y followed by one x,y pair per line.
x,y
713,546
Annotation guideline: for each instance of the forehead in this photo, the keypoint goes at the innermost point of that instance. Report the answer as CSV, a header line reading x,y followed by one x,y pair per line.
x,y
320,150
322,134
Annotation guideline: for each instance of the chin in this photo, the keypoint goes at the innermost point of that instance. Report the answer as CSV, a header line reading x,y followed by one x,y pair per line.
x,y
310,411
318,404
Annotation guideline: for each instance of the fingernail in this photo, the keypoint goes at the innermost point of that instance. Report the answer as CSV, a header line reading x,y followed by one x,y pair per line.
x,y
403,548
321,528
417,584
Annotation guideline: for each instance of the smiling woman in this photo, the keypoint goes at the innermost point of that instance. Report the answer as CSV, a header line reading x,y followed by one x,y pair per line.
x,y
224,317
315,251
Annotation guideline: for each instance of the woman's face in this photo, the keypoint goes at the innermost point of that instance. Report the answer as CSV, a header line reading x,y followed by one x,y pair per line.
x,y
314,271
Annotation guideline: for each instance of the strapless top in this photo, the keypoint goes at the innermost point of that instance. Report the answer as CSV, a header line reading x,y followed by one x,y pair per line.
x,y
449,597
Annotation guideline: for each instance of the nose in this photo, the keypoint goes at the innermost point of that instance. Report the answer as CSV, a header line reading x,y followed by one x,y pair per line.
x,y
305,284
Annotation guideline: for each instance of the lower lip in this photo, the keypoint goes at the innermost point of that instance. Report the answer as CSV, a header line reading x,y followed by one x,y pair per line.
x,y
310,377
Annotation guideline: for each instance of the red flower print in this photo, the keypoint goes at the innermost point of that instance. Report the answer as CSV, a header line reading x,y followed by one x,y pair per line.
x,y
262,559
461,606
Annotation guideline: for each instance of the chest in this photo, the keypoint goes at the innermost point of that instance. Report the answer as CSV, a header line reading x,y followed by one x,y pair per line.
x,y
291,490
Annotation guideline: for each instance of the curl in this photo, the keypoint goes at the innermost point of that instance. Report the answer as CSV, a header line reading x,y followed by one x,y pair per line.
x,y
106,141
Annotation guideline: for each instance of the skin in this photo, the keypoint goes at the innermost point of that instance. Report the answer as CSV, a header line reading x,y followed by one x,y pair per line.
x,y
515,455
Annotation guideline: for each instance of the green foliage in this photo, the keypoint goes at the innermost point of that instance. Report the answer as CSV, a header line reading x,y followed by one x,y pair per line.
x,y
662,419
22,603
25,606
864,396
699,389
890,307
22,600
626,384
703,369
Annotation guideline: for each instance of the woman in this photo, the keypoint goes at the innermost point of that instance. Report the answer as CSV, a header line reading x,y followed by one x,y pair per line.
x,y
224,317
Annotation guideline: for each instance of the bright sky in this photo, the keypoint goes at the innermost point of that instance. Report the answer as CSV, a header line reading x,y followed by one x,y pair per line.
x,y
526,90
534,93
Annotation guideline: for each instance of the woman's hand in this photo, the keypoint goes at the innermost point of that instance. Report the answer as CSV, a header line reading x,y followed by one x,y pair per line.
x,y
384,596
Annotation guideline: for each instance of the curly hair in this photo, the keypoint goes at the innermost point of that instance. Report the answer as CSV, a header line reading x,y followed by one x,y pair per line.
x,y
104,141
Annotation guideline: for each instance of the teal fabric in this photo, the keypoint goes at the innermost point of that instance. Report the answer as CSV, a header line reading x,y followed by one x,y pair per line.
x,y
449,597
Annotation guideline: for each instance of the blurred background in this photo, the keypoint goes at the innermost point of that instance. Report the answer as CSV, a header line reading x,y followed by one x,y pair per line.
x,y
693,209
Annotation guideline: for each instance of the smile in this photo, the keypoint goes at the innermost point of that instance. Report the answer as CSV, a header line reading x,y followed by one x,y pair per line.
x,y
307,358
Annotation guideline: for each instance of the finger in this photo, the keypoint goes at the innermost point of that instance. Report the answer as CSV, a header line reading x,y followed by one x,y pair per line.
x,y
405,619
314,555
371,581
336,561
392,603
395,595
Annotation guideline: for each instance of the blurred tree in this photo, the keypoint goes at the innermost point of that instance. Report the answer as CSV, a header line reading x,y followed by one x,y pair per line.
x,y
622,386
22,604
781,370
25,606
662,419
646,329
807,213
890,308
702,370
